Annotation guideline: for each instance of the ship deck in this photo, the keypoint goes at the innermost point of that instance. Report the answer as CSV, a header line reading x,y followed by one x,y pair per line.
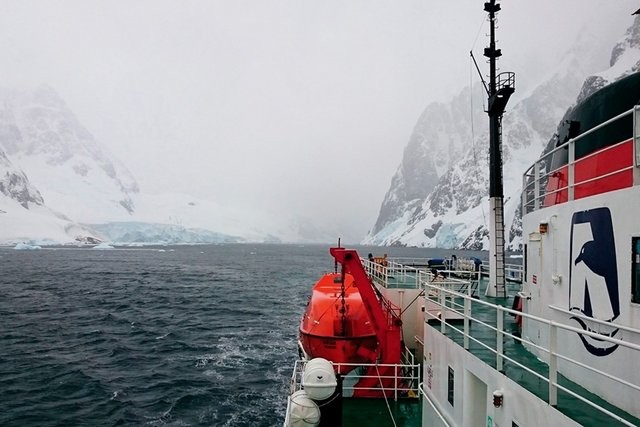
x,y
488,318
375,412
573,407
482,339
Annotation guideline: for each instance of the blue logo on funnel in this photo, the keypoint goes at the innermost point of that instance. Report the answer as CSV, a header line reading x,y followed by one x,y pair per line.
x,y
593,276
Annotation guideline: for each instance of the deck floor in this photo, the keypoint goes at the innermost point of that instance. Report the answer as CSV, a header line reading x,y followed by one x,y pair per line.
x,y
375,413
567,404
513,348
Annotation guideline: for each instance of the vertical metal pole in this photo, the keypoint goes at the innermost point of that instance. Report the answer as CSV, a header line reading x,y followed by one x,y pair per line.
x,y
467,315
523,199
499,337
395,383
636,144
553,365
442,311
385,270
536,187
571,170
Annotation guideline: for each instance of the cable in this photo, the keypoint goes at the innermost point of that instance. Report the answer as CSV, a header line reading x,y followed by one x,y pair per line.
x,y
385,398
473,132
411,303
484,19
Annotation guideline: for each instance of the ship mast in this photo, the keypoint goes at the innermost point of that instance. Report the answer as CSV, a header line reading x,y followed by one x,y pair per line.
x,y
501,86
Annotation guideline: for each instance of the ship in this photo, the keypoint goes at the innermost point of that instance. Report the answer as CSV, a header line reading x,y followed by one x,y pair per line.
x,y
557,345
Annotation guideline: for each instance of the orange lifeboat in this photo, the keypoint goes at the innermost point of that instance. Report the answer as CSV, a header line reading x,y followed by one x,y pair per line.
x,y
336,325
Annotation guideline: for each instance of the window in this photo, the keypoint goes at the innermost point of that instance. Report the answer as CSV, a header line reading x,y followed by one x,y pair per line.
x,y
450,386
635,269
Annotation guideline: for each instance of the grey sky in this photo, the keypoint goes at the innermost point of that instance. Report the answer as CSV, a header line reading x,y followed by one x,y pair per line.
x,y
290,106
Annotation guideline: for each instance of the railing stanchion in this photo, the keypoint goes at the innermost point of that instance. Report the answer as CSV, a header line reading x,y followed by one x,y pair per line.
x,y
536,186
571,170
499,337
395,383
442,310
553,365
467,315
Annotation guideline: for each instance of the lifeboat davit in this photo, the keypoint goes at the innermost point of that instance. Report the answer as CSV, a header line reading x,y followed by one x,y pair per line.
x,y
336,325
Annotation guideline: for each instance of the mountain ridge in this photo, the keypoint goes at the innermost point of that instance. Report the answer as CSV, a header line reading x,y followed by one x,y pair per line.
x,y
454,213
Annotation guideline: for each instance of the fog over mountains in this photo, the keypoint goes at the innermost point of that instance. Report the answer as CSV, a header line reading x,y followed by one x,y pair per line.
x,y
60,184
439,195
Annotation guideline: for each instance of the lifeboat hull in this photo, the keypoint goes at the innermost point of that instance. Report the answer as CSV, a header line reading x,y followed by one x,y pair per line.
x,y
338,328
353,350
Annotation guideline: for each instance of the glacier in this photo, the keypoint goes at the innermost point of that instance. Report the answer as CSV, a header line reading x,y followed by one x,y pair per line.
x,y
127,233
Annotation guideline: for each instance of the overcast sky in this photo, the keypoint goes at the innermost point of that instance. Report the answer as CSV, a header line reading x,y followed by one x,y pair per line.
x,y
294,105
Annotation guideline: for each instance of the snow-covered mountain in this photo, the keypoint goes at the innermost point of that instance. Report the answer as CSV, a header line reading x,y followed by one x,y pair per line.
x,y
453,212
24,216
59,185
43,137
15,185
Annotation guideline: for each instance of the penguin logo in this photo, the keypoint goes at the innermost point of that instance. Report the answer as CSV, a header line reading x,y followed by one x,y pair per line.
x,y
593,276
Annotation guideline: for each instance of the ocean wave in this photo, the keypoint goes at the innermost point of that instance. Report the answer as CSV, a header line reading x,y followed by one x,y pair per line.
x,y
120,338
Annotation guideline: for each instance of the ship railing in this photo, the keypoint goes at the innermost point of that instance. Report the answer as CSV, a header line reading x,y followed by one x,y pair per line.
x,y
454,264
295,383
377,272
512,272
406,376
411,261
489,335
536,178
396,274
506,79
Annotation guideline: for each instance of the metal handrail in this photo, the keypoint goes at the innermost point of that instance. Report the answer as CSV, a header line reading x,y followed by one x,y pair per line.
x,y
380,274
591,319
554,355
532,191
400,382
582,135
544,320
506,79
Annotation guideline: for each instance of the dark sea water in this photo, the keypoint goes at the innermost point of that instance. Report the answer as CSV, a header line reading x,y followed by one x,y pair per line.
x,y
184,335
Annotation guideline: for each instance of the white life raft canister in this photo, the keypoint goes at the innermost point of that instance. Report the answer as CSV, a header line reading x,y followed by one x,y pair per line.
x,y
319,379
303,412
